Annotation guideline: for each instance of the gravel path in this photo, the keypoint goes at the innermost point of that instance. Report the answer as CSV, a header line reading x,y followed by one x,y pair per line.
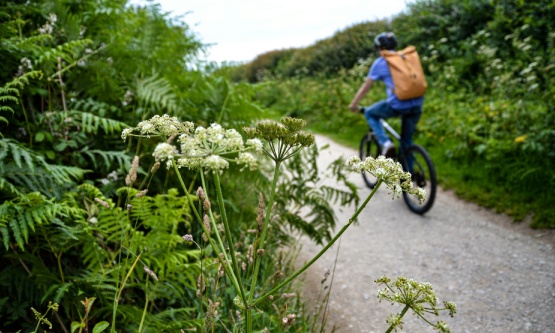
x,y
500,274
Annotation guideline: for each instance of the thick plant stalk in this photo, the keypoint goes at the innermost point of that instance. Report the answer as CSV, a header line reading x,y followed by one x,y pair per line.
x,y
317,256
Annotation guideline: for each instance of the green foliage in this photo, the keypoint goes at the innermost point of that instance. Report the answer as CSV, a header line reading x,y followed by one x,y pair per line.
x,y
304,198
22,171
487,116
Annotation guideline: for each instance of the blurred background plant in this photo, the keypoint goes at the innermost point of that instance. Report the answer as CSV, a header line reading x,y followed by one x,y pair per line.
x,y
488,119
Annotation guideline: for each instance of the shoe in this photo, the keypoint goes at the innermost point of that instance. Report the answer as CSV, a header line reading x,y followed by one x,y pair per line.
x,y
388,149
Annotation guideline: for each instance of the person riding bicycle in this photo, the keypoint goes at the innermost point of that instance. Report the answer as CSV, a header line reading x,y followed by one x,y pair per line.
x,y
410,110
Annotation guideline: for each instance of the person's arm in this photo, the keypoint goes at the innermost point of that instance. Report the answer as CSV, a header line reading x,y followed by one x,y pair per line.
x,y
362,91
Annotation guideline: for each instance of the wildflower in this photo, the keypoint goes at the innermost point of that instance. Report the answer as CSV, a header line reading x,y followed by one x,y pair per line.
x,y
125,133
215,162
187,238
200,284
102,203
165,126
260,216
389,172
200,194
198,147
452,307
250,254
206,223
248,160
256,144
129,207
155,167
419,296
284,138
289,320
395,322
206,205
141,194
260,252
164,151
132,176
151,273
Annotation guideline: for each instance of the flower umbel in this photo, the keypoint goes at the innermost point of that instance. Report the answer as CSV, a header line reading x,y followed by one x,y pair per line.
x,y
418,296
389,172
199,147
284,138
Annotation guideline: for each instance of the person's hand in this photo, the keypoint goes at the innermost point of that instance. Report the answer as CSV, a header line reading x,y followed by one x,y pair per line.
x,y
353,108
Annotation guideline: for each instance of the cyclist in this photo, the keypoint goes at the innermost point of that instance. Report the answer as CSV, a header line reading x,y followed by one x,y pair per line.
x,y
410,110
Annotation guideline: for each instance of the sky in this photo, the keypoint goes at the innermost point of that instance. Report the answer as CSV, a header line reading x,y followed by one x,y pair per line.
x,y
240,30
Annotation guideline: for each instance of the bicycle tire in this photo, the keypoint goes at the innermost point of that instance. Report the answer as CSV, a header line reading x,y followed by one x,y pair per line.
x,y
423,175
369,148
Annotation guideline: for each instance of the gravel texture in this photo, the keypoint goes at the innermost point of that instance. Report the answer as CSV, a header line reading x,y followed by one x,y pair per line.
x,y
500,274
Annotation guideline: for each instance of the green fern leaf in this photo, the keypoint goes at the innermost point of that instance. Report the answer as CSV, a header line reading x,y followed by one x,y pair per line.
x,y
156,92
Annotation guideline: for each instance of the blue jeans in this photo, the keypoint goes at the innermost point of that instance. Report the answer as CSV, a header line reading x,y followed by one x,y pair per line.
x,y
381,109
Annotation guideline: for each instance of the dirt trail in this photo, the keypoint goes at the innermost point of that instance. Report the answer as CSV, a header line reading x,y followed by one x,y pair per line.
x,y
500,274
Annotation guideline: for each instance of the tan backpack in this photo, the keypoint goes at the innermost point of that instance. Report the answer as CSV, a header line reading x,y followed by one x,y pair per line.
x,y
406,71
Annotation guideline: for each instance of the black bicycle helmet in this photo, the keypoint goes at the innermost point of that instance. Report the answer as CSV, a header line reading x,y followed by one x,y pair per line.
x,y
385,41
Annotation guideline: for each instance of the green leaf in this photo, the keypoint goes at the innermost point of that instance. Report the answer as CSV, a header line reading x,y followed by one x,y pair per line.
x,y
39,137
76,325
100,327
50,154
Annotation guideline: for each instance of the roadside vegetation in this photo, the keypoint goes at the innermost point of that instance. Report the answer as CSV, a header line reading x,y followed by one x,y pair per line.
x,y
100,230
488,118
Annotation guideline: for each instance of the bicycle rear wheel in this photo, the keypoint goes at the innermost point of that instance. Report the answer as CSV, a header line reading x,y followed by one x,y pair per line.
x,y
369,148
423,175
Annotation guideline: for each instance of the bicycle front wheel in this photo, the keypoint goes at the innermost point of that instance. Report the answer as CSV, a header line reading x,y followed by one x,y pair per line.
x,y
418,162
369,148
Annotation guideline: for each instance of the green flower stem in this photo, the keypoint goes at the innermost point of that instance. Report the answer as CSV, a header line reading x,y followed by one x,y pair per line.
x,y
230,275
316,257
228,233
264,231
392,327
26,122
144,313
215,227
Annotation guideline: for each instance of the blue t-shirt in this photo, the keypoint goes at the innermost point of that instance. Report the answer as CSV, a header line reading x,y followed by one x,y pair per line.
x,y
380,72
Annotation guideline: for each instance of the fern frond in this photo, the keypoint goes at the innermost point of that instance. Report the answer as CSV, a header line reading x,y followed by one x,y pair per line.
x,y
90,191
95,107
8,98
21,214
10,28
91,123
32,44
30,172
21,81
67,51
156,92
109,157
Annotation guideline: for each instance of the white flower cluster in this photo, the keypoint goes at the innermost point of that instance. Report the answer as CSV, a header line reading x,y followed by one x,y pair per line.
x,y
164,126
207,146
390,173
164,151
419,296
48,27
198,148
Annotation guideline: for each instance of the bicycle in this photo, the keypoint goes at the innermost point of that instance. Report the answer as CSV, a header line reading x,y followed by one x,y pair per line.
x,y
423,171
